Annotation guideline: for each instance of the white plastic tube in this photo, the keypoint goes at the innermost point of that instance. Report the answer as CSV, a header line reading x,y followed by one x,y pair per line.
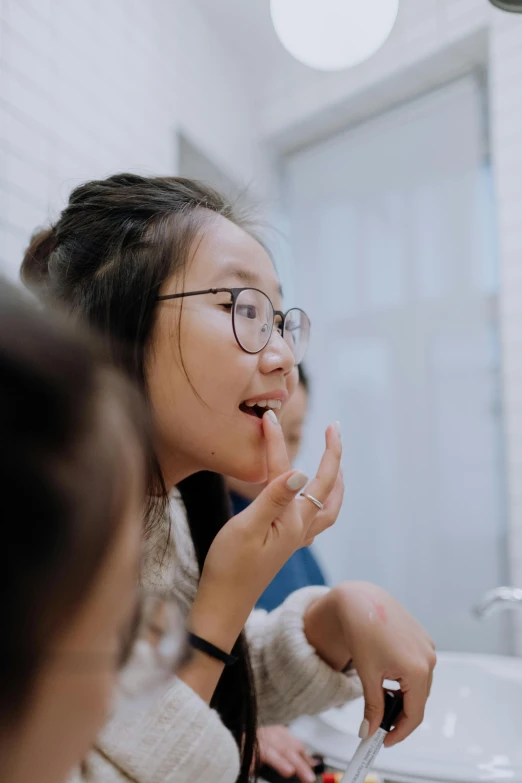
x,y
364,757
369,748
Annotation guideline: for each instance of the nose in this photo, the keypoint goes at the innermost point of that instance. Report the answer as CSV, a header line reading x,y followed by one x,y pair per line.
x,y
277,356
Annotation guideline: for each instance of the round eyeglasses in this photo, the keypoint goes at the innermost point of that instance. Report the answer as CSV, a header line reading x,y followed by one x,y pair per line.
x,y
253,319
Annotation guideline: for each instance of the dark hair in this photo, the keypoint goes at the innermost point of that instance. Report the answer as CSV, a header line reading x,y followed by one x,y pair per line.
x,y
303,378
63,417
115,244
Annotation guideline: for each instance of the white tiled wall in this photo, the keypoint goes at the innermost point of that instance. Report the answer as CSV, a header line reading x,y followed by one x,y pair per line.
x,y
89,87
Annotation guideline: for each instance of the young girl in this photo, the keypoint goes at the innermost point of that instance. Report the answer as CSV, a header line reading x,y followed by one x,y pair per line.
x,y
189,302
72,460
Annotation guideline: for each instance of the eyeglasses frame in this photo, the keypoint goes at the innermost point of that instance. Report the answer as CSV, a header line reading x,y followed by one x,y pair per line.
x,y
234,293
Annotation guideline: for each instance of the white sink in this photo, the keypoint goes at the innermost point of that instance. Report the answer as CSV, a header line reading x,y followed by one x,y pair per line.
x,y
472,729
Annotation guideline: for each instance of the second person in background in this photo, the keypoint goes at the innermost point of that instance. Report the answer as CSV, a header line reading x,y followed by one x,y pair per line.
x,y
278,748
302,569
188,299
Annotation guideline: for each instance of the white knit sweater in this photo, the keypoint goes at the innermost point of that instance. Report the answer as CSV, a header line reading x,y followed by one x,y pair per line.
x,y
180,739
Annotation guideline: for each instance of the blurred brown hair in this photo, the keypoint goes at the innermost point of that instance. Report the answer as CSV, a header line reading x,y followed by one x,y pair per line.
x,y
67,418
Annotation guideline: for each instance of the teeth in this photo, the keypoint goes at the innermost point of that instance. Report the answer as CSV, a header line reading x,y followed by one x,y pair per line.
x,y
264,404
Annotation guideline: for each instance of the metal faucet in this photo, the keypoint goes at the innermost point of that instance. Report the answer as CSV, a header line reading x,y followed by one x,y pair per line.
x,y
498,600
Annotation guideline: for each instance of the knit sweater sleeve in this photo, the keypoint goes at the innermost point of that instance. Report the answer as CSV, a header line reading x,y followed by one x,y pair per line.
x,y
178,740
291,679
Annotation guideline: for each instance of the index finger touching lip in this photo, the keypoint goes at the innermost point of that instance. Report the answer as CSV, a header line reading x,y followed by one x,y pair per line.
x,y
276,454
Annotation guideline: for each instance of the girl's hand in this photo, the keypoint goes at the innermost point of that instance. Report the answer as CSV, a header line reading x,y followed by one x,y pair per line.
x,y
365,625
252,547
279,749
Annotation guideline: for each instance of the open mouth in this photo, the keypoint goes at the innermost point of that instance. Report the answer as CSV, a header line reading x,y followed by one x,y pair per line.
x,y
258,409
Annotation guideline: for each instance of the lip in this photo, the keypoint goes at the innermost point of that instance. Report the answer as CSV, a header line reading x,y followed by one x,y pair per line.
x,y
256,422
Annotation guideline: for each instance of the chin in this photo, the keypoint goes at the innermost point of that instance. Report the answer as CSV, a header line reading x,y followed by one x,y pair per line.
x,y
253,472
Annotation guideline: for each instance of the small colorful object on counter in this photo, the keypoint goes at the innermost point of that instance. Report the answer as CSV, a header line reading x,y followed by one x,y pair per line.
x,y
332,777
336,777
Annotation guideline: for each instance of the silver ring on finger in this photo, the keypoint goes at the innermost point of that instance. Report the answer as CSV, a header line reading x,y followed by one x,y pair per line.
x,y
313,500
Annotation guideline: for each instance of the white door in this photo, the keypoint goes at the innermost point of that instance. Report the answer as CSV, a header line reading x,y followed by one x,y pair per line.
x,y
393,250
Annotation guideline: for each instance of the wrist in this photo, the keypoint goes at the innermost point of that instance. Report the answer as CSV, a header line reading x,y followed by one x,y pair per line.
x,y
202,674
210,619
325,630
211,650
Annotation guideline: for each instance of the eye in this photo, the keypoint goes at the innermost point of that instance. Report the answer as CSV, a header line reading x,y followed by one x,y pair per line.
x,y
247,311
226,306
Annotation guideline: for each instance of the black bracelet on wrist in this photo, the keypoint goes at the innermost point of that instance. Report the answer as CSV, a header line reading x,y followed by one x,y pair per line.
x,y
210,649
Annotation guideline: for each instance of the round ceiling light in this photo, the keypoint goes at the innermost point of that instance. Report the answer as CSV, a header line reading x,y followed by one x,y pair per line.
x,y
330,35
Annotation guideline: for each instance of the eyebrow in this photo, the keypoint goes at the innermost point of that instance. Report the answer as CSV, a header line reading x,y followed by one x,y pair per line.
x,y
246,276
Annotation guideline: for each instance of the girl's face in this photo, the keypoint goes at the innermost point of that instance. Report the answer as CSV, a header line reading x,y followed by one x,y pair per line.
x,y
199,378
73,693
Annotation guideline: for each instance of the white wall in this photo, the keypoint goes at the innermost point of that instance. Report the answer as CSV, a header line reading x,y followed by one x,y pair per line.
x,y
90,87
506,127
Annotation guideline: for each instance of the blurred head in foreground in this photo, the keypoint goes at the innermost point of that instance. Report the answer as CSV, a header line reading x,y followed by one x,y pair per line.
x,y
72,475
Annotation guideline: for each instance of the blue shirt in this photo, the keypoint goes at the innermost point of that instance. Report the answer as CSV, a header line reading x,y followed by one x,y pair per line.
x,y
302,570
